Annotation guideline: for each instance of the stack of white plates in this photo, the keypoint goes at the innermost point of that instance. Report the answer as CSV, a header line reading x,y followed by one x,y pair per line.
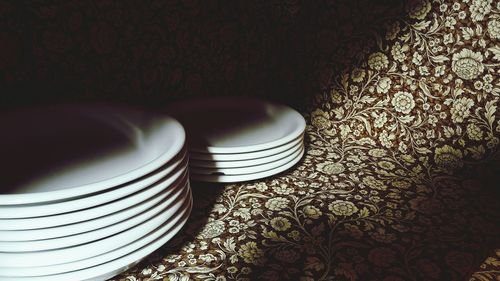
x,y
239,139
88,191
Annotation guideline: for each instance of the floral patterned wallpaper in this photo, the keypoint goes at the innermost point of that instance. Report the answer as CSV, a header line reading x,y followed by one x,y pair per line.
x,y
400,178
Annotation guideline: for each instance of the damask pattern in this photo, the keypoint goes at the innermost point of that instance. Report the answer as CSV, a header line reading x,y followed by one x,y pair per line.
x,y
400,177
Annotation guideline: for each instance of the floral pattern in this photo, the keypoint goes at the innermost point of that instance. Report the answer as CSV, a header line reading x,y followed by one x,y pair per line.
x,y
401,171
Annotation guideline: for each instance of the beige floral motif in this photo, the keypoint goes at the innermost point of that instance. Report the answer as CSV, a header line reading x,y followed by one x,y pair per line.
x,y
467,64
386,138
357,74
401,184
213,229
403,102
479,9
311,212
380,120
386,165
342,208
494,28
418,9
251,253
378,61
448,158
474,132
399,52
461,109
320,119
330,168
374,183
383,85
377,152
280,223
277,203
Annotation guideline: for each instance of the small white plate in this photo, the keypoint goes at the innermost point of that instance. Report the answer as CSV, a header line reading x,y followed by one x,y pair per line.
x,y
39,210
236,125
283,158
49,156
93,235
248,177
149,186
214,157
107,265
88,250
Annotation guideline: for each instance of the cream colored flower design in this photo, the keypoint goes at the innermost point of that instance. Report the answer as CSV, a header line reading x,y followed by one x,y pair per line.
x,y
383,85
403,102
378,61
357,75
377,152
311,212
330,168
320,119
494,28
418,9
342,208
386,165
474,132
467,64
277,203
251,253
399,52
380,120
479,9
213,229
461,109
280,223
374,183
448,158
401,184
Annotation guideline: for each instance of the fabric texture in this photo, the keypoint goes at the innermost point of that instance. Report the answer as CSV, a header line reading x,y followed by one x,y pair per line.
x,y
401,172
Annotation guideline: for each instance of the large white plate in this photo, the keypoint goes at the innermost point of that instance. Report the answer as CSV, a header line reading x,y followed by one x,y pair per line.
x,y
248,177
282,160
236,125
61,152
158,182
110,264
81,252
92,224
39,210
222,157
93,235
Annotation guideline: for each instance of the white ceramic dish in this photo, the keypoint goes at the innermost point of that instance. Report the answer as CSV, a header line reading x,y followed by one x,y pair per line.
x,y
241,163
85,251
125,145
236,125
92,224
285,158
93,235
214,157
248,177
105,266
158,182
39,210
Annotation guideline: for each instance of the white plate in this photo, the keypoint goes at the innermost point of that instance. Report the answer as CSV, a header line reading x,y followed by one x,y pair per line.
x,y
236,125
284,158
105,266
238,178
39,210
125,213
125,144
148,187
81,252
214,157
93,235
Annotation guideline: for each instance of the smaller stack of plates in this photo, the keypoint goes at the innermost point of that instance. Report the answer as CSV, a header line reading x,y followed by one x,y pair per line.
x,y
239,139
88,191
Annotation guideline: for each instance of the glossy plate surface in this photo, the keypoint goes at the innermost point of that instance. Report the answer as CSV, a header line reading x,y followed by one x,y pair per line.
x,y
283,159
247,177
60,152
236,125
105,266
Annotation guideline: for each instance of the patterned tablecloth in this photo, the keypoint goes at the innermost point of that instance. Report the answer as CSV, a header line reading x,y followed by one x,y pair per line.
x,y
400,180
